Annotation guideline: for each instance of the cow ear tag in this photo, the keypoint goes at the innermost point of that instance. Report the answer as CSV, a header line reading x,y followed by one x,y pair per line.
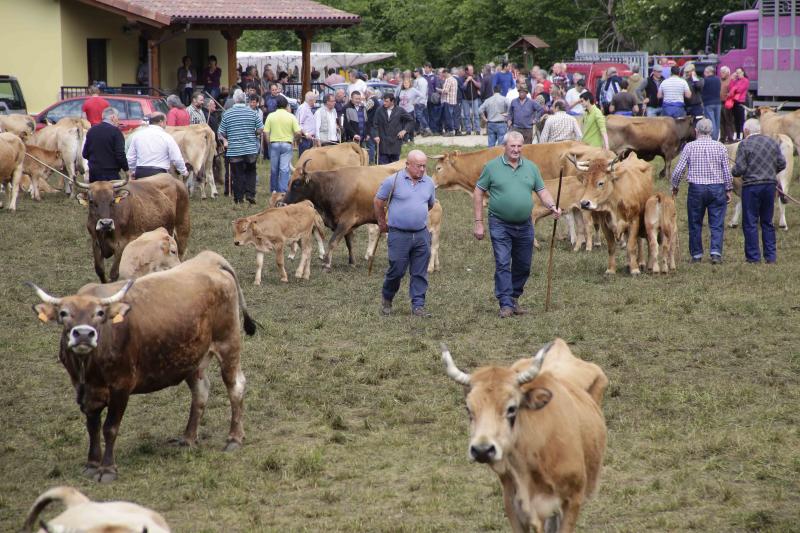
x,y
117,318
117,200
82,201
42,316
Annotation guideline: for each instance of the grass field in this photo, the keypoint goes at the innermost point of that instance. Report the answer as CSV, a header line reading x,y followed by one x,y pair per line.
x,y
352,424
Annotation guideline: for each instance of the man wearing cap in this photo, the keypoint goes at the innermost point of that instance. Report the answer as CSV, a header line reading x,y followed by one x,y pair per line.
x,y
651,98
523,113
694,104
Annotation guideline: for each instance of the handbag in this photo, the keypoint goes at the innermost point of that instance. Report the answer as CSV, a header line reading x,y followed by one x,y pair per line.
x,y
729,103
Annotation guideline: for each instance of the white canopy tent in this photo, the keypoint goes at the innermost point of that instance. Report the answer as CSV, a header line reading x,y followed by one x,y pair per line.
x,y
287,60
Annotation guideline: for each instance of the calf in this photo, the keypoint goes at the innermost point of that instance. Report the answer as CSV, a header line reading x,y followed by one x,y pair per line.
x,y
661,225
273,229
539,425
12,161
87,516
37,172
276,199
434,226
152,251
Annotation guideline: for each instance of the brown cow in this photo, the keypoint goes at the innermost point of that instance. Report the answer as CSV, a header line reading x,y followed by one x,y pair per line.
x,y
773,123
120,339
616,194
198,147
539,425
152,251
434,226
23,126
649,137
273,229
121,211
12,161
66,136
344,197
331,157
661,226
36,172
87,516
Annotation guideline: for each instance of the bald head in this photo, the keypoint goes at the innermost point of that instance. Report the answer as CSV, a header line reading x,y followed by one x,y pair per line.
x,y
416,163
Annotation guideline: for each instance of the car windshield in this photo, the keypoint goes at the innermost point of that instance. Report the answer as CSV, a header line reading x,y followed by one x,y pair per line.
x,y
70,108
11,95
160,106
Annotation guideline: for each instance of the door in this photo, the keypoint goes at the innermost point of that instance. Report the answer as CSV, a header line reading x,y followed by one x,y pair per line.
x,y
96,60
197,49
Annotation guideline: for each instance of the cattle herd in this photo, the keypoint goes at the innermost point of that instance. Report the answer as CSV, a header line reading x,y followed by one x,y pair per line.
x,y
538,423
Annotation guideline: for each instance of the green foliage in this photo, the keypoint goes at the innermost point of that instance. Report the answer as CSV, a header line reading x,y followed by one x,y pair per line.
x,y
454,32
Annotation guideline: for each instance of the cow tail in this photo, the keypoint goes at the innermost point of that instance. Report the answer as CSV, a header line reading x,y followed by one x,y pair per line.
x,y
66,495
249,323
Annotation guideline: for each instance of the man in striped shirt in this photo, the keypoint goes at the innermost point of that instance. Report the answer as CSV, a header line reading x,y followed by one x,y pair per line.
x,y
710,186
449,102
559,126
240,131
672,91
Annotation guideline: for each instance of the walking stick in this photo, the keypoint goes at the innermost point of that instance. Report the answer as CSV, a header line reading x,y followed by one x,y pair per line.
x,y
378,240
552,246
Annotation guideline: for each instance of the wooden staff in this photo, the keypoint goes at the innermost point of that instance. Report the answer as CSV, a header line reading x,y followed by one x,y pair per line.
x,y
552,246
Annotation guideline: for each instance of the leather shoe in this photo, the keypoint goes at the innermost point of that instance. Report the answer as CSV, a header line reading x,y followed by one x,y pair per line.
x,y
506,312
421,312
386,307
716,260
518,309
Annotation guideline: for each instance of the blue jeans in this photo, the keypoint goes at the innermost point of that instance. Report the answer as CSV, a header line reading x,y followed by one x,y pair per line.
x,y
304,145
653,111
513,253
369,144
673,110
412,250
758,204
449,116
496,131
713,113
469,110
420,113
435,117
280,156
700,199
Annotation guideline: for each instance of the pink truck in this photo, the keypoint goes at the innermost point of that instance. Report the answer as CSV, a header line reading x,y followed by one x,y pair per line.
x,y
765,41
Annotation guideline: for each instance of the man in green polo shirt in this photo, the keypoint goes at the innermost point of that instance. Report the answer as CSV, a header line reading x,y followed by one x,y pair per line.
x,y
280,129
594,123
510,181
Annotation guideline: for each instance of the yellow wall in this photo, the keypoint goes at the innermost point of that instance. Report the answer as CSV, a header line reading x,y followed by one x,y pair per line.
x,y
173,50
30,41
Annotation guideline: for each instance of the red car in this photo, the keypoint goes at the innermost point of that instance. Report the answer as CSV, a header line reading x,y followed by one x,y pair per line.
x,y
132,109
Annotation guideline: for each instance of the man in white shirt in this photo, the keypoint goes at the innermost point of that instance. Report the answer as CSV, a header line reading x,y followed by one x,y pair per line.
x,y
673,90
326,131
153,150
356,84
305,116
573,98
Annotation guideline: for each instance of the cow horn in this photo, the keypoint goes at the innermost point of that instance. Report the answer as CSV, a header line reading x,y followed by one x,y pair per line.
x,y
451,368
437,157
118,184
611,164
536,365
781,106
80,185
291,168
46,298
114,298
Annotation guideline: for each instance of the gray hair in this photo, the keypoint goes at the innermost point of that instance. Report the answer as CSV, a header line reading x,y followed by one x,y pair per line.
x,y
174,101
704,127
311,96
708,71
753,126
239,97
725,68
109,112
513,135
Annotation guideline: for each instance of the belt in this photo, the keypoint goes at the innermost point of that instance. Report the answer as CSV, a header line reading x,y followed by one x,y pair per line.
x,y
675,104
391,228
280,142
153,168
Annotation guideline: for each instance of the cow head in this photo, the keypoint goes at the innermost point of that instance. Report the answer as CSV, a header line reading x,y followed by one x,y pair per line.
x,y
444,173
598,176
245,231
103,198
83,317
277,199
495,396
303,188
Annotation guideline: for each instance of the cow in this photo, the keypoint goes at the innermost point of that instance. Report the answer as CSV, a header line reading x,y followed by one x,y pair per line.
x,y
661,226
198,147
67,136
616,195
539,426
120,211
128,338
649,137
787,124
37,172
12,161
331,157
87,516
784,178
276,227
434,226
276,199
344,197
152,251
23,126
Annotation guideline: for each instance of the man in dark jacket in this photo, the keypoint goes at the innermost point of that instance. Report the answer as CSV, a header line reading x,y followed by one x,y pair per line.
x,y
389,128
712,104
355,120
105,148
651,99
694,104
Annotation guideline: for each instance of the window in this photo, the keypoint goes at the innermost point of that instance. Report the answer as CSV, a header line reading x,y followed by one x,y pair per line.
x,y
96,60
160,106
71,108
11,95
734,37
135,110
119,105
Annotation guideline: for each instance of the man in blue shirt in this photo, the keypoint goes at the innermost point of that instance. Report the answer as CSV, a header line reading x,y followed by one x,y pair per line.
x,y
409,194
503,79
523,113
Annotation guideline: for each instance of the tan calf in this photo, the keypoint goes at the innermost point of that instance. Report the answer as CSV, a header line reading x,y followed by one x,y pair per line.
x,y
273,229
539,426
12,160
434,224
87,516
67,137
276,200
152,251
23,126
661,225
36,172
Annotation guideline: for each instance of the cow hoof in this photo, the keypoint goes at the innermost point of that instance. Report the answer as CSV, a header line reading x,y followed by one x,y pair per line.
x,y
284,280
326,269
784,228
610,272
90,470
106,475
257,283
733,225
232,446
181,442
635,272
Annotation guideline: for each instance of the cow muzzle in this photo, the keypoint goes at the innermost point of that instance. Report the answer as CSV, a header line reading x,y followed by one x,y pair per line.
x,y
82,339
104,224
237,243
484,453
588,205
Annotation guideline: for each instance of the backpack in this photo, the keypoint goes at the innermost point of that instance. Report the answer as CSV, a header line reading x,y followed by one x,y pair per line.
x,y
607,94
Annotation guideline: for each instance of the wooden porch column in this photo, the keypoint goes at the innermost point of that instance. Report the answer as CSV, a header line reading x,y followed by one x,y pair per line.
x,y
231,36
305,36
155,63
